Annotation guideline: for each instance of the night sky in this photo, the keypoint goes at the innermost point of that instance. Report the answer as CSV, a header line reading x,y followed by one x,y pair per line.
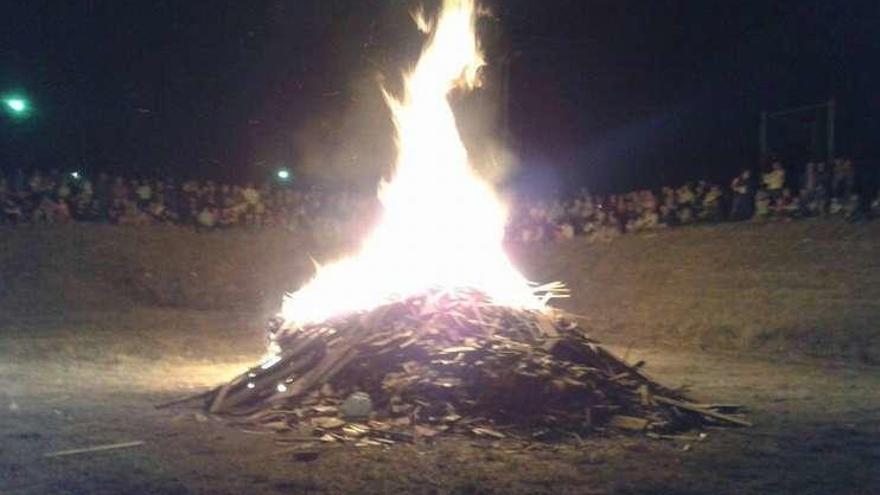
x,y
610,94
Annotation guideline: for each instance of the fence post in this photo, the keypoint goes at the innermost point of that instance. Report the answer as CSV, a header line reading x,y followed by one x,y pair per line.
x,y
762,137
831,111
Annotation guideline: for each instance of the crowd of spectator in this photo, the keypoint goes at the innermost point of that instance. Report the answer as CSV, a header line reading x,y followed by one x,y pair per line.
x,y
820,191
57,197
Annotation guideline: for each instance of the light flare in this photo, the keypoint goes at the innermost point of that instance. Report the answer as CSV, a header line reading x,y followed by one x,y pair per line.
x,y
441,226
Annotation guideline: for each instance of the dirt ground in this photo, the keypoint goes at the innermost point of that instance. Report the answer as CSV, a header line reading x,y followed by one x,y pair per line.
x,y
99,323
817,426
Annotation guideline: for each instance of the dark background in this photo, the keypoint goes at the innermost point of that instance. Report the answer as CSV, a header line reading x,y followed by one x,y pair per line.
x,y
610,94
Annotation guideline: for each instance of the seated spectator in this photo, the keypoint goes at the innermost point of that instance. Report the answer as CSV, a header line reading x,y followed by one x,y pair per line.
x,y
685,196
648,201
794,207
44,211
252,201
851,206
158,212
782,206
116,210
37,185
119,190
61,213
774,181
809,180
711,205
700,191
9,206
190,211
762,205
143,193
207,218
667,217
685,215
209,194
810,205
131,214
565,232
842,178
63,191
81,207
741,209
609,229
228,216
648,220
669,199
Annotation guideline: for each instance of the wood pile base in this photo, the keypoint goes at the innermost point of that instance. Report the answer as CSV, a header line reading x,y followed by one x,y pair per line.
x,y
452,362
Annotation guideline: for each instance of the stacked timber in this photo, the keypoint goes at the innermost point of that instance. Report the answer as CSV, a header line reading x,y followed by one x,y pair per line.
x,y
452,361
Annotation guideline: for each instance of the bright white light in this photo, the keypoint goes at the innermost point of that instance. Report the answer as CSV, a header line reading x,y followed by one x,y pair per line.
x,y
75,175
270,361
441,225
282,388
283,174
16,104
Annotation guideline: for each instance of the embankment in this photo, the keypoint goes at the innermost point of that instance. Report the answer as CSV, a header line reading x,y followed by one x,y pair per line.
x,y
807,288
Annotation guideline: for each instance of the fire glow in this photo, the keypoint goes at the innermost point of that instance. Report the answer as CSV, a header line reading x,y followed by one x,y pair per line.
x,y
429,328
441,225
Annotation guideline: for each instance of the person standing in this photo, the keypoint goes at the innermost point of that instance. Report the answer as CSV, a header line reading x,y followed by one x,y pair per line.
x,y
774,182
741,209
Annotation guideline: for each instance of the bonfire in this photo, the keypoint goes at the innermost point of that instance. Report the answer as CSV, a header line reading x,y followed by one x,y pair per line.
x,y
429,327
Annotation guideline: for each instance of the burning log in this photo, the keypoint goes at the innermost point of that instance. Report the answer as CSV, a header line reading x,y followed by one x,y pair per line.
x,y
453,361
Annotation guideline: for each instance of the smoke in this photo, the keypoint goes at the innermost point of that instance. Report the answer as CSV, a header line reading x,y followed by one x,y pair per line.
x,y
351,142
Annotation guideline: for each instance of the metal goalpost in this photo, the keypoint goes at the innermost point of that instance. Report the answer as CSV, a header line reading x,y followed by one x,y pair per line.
x,y
774,123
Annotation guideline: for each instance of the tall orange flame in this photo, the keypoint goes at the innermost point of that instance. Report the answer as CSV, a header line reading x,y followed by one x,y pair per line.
x,y
441,225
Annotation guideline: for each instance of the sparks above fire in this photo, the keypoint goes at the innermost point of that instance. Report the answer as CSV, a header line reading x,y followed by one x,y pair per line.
x,y
441,225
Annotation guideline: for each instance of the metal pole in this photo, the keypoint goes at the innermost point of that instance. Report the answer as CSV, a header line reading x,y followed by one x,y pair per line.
x,y
762,137
814,138
831,111
804,108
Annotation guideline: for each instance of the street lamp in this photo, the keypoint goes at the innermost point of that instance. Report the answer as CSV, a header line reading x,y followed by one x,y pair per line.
x,y
16,105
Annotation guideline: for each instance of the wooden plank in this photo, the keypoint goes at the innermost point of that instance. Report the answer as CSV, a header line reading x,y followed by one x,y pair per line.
x,y
628,423
96,448
188,398
705,412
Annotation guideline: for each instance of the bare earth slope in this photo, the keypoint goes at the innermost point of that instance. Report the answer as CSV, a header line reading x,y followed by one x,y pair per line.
x,y
806,288
810,287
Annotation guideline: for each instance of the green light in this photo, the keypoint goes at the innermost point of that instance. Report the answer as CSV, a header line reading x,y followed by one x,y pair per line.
x,y
17,105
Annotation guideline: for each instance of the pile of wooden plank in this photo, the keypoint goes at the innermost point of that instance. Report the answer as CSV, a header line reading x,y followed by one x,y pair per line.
x,y
451,361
